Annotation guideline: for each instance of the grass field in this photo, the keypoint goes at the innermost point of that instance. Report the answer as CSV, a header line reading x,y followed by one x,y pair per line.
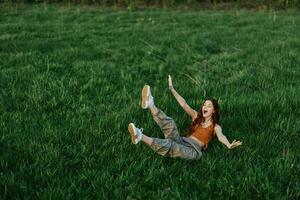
x,y
71,80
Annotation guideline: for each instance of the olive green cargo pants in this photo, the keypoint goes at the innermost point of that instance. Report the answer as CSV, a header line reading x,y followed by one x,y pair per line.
x,y
173,145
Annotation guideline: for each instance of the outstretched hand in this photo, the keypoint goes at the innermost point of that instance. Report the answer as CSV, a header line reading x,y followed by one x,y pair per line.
x,y
235,144
170,82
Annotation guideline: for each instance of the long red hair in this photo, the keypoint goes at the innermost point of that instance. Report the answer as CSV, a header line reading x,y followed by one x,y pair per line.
x,y
199,119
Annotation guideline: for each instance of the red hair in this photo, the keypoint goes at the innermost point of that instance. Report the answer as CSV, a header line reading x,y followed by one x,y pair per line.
x,y
199,119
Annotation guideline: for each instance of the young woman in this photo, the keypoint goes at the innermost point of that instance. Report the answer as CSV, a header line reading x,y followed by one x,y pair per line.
x,y
203,129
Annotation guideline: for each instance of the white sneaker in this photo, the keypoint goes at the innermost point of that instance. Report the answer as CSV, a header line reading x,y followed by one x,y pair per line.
x,y
147,99
136,133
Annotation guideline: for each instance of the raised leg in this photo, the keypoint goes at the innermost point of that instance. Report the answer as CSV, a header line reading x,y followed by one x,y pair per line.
x,y
166,124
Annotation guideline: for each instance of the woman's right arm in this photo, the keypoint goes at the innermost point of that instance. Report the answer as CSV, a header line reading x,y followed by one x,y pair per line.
x,y
182,101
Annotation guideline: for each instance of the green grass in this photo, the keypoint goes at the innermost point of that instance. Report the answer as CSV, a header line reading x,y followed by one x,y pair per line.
x,y
71,80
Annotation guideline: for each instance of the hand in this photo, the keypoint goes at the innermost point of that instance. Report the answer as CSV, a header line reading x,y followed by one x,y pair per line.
x,y
170,82
235,144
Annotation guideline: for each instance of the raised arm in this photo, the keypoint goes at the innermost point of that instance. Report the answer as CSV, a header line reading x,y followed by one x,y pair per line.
x,y
181,100
222,138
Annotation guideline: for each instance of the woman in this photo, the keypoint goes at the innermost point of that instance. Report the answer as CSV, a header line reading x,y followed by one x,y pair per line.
x,y
202,130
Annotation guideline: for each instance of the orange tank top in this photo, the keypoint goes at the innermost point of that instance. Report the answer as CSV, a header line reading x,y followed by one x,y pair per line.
x,y
205,135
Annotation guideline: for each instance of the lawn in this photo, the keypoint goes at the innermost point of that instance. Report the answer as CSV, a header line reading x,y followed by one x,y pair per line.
x,y
71,80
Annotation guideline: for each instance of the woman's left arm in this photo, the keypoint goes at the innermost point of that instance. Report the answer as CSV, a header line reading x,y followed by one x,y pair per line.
x,y
222,138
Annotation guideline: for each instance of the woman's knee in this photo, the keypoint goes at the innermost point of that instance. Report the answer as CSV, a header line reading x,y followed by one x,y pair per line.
x,y
162,146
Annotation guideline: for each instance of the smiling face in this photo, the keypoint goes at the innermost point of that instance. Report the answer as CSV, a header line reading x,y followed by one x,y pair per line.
x,y
207,109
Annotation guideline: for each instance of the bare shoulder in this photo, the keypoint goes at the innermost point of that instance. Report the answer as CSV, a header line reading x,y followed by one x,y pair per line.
x,y
218,128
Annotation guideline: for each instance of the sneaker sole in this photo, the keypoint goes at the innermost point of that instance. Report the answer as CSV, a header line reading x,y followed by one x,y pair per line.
x,y
145,95
131,129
